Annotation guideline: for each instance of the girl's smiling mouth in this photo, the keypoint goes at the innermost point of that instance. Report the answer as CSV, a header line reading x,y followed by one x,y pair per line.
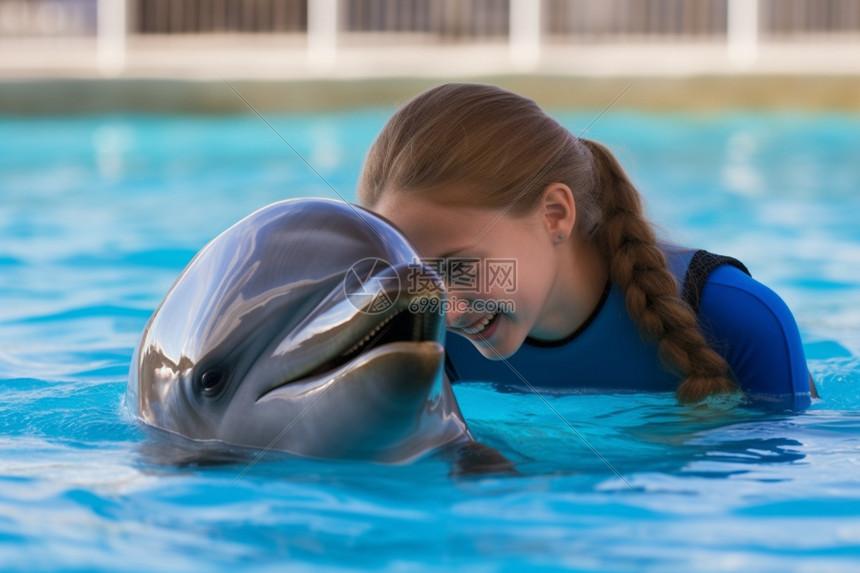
x,y
482,328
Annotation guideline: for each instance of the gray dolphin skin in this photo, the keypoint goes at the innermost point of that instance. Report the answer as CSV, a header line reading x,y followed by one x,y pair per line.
x,y
293,331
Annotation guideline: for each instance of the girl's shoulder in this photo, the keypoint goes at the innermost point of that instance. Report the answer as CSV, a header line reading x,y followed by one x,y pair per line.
x,y
755,331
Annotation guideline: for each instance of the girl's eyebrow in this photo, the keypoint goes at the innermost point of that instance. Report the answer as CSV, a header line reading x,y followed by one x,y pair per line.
x,y
452,252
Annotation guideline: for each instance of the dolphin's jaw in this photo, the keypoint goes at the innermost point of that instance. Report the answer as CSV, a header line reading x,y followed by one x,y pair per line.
x,y
400,324
370,336
393,397
431,353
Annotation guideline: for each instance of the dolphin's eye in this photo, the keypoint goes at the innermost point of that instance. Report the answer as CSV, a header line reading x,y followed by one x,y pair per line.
x,y
212,380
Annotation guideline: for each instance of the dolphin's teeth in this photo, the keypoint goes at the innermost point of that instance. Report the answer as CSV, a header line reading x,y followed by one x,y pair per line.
x,y
369,336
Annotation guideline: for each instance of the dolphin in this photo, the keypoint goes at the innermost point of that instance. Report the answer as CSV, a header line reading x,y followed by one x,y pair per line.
x,y
309,327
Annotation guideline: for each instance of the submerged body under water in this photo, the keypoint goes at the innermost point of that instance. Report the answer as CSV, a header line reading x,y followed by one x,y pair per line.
x,y
99,215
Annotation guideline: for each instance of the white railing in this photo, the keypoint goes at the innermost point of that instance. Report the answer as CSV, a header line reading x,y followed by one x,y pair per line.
x,y
112,31
527,25
742,31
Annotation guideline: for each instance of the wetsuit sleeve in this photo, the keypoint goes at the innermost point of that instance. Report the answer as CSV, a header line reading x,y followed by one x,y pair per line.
x,y
753,329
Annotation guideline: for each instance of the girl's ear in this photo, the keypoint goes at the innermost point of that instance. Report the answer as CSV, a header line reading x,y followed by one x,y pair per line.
x,y
559,211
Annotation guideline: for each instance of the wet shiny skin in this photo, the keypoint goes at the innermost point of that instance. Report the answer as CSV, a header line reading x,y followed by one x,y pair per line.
x,y
246,347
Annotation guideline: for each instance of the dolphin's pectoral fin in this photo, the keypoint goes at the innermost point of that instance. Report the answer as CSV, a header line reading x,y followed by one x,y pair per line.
x,y
475,458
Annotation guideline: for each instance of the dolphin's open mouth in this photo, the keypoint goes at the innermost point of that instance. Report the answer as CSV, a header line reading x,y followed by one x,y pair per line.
x,y
364,332
400,325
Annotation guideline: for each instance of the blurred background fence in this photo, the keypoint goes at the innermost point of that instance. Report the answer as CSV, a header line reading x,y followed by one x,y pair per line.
x,y
114,29
439,20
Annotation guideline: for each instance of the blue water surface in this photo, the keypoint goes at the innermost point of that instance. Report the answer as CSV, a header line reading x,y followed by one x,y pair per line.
x,y
99,214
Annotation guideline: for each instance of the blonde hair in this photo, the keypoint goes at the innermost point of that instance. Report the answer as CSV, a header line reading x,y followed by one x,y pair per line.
x,y
480,145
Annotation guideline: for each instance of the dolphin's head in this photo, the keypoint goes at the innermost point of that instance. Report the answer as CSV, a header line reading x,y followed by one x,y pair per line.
x,y
308,327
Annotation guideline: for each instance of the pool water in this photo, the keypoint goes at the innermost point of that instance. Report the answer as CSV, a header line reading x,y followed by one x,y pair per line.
x,y
99,214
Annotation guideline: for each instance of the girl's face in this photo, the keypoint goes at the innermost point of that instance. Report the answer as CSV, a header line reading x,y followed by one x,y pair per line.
x,y
508,277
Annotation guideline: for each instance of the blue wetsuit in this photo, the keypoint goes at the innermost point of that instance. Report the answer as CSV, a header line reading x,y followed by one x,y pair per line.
x,y
743,320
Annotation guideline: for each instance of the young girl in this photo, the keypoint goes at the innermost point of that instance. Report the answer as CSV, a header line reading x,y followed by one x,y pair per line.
x,y
555,278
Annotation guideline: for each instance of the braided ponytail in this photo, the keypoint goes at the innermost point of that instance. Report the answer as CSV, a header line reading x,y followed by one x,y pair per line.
x,y
638,266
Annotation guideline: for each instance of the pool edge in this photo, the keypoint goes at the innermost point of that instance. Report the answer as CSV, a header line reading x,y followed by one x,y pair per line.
x,y
213,96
